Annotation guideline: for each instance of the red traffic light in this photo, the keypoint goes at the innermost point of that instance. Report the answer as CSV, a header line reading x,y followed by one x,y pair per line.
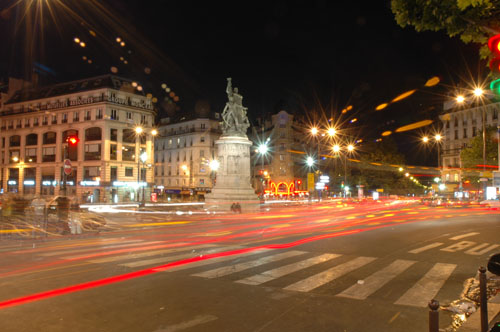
x,y
73,140
494,46
299,182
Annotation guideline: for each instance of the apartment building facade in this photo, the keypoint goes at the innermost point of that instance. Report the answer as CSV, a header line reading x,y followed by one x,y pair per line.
x,y
461,123
103,113
183,151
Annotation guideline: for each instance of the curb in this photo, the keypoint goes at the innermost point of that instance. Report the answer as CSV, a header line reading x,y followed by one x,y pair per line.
x,y
473,323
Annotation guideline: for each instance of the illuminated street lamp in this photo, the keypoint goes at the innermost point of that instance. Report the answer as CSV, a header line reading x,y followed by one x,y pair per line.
x,y
139,130
310,161
425,139
331,132
314,131
478,92
460,99
214,166
336,148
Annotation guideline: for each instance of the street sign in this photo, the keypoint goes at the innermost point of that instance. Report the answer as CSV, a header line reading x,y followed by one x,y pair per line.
x,y
310,181
67,167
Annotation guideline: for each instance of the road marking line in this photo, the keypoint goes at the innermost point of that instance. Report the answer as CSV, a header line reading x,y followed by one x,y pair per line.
x,y
427,247
474,251
394,317
427,287
215,260
287,269
90,248
226,270
202,319
458,237
159,260
325,277
146,254
378,279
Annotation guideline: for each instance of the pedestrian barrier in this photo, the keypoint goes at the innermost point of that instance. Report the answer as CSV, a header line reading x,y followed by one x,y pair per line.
x,y
493,267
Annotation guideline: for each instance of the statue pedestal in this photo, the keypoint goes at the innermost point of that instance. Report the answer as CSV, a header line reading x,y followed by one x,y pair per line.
x,y
233,176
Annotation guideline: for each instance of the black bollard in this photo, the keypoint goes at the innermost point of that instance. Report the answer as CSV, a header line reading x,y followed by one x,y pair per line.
x,y
433,316
483,299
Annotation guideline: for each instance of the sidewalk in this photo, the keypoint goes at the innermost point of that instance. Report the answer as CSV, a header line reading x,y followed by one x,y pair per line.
x,y
473,323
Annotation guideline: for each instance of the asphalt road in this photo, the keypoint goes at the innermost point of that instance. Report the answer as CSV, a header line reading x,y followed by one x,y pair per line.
x,y
323,267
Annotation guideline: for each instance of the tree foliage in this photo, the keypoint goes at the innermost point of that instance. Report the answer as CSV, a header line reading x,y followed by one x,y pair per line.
x,y
471,20
473,154
392,181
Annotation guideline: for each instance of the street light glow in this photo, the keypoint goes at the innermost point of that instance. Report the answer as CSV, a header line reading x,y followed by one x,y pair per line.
x,y
332,131
214,164
309,161
350,148
138,130
425,139
144,157
336,148
478,92
314,131
262,149
438,137
460,99
154,132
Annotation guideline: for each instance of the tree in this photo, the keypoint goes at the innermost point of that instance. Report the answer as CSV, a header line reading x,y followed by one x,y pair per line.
x,y
471,20
473,154
380,177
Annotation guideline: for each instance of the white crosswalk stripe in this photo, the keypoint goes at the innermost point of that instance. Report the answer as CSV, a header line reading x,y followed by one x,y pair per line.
x,y
333,273
374,282
428,286
287,269
424,248
226,270
146,254
214,260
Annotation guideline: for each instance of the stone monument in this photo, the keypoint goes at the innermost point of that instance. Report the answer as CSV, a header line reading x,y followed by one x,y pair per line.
x,y
233,153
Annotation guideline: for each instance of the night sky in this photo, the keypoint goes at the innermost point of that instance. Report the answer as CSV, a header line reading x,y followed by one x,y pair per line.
x,y
302,56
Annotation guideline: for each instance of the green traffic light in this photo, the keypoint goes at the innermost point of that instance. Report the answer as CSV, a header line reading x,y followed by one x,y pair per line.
x,y
495,86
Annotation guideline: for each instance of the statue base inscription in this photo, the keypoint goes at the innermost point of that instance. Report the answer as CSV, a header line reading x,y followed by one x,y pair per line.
x,y
233,176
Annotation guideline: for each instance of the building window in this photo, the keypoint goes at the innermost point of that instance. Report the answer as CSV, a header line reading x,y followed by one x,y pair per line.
x,y
76,116
113,135
178,142
128,136
129,115
26,123
144,120
49,154
92,151
30,155
282,146
45,120
112,151
202,139
202,126
91,173
15,141
18,123
202,182
88,115
54,119
169,170
474,131
128,153
114,173
465,132
282,157
64,118
202,153
99,114
114,115
456,134
32,139
129,171
93,134
49,138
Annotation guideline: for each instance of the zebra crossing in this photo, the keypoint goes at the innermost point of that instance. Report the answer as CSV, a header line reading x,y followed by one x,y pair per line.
x,y
295,270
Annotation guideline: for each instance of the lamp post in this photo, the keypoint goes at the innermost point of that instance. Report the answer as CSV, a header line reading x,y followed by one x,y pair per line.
x,y
143,157
262,150
214,166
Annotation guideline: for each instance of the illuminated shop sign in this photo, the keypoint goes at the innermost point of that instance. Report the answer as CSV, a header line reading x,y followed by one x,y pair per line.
x,y
128,184
29,182
12,182
88,183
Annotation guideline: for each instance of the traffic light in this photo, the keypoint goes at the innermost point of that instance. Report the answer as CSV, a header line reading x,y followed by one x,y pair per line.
x,y
72,147
494,46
